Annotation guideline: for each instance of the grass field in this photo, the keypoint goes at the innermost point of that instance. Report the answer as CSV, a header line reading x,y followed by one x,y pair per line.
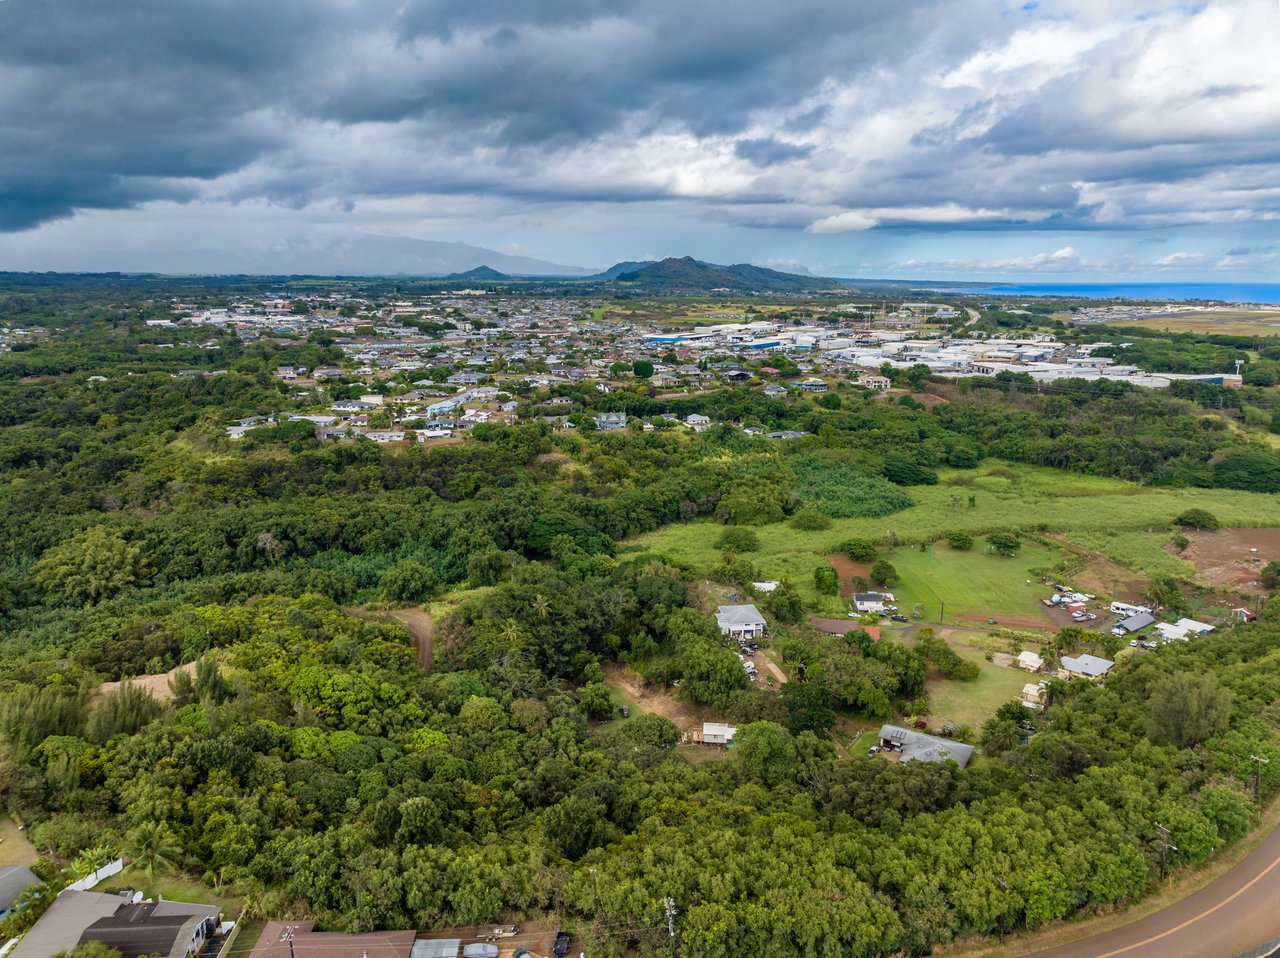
x,y
14,847
972,583
1005,496
1229,322
972,703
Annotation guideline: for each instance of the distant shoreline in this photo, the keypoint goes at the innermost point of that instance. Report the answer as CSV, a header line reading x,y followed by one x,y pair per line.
x,y
1259,294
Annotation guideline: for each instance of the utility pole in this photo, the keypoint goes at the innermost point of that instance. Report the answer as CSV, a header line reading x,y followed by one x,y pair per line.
x,y
1165,846
670,906
1258,762
595,890
943,614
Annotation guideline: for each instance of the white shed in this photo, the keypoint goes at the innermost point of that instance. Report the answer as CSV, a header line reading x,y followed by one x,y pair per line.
x,y
717,733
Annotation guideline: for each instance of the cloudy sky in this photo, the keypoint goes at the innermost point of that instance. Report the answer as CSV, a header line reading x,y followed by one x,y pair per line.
x,y
1053,140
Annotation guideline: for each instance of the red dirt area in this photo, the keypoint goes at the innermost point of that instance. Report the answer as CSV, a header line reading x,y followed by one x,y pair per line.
x,y
1007,621
1224,559
846,569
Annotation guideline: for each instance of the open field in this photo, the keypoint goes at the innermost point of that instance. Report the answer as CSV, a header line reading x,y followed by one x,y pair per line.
x,y
14,847
972,703
974,583
1229,322
1126,522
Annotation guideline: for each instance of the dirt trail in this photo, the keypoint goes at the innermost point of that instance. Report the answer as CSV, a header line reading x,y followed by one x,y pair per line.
x,y
765,660
157,685
423,629
421,626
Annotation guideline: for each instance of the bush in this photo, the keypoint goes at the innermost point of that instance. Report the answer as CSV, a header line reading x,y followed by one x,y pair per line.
x,y
1198,519
947,661
859,550
1180,542
810,520
738,539
959,540
883,573
902,471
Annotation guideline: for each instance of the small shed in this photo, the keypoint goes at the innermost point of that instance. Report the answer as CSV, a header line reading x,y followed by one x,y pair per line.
x,y
436,948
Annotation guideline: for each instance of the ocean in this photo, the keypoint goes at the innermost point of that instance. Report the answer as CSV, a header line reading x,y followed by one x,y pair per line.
x,y
1258,293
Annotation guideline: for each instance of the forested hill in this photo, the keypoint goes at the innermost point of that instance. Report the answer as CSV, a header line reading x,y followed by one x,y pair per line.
x,y
688,276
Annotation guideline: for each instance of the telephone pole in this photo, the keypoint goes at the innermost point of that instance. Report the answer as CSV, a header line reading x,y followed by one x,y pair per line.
x,y
670,906
1258,762
1165,846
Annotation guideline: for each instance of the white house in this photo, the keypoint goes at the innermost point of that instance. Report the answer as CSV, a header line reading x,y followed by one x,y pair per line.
x,y
873,602
1084,666
740,621
717,733
1029,661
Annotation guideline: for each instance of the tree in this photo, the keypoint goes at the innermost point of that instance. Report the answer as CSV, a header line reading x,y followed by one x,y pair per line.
x,y
1198,519
595,701
826,581
1164,591
1186,708
408,581
859,550
810,707
154,845
766,753
93,566
883,573
1005,543
1270,576
89,949
738,539
642,368
960,540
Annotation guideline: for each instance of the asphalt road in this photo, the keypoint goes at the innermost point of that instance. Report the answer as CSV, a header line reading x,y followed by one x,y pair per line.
x,y
1234,913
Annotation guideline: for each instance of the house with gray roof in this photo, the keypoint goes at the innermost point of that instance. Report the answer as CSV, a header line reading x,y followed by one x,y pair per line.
x,y
740,621
169,929
14,880
1084,667
911,745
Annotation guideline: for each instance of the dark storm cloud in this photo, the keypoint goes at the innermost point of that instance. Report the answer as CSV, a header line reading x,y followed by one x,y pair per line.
x,y
101,103
766,151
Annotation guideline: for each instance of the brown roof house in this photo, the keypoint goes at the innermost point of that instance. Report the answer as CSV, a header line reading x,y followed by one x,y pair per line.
x,y
299,939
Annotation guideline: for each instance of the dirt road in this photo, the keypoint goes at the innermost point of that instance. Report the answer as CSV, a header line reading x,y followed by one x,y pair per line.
x,y
423,629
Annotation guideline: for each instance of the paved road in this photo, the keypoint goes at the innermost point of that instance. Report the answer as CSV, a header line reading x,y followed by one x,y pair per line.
x,y
1238,911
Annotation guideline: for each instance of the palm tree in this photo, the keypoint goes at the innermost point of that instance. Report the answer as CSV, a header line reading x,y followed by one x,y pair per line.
x,y
90,860
154,844
510,631
541,607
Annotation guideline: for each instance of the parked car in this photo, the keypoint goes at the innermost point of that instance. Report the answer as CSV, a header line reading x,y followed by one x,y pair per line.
x,y
873,750
480,950
1133,643
561,946
899,617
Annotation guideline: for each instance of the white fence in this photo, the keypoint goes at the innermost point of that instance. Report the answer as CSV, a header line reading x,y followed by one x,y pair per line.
x,y
103,873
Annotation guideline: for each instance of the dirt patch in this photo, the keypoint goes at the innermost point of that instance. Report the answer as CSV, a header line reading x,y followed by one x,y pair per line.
x,y
1007,621
157,685
1002,659
1224,559
846,570
765,663
648,698
1104,577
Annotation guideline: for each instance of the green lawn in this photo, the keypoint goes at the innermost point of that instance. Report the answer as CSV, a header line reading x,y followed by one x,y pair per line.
x,y
972,582
174,888
972,703
1112,515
